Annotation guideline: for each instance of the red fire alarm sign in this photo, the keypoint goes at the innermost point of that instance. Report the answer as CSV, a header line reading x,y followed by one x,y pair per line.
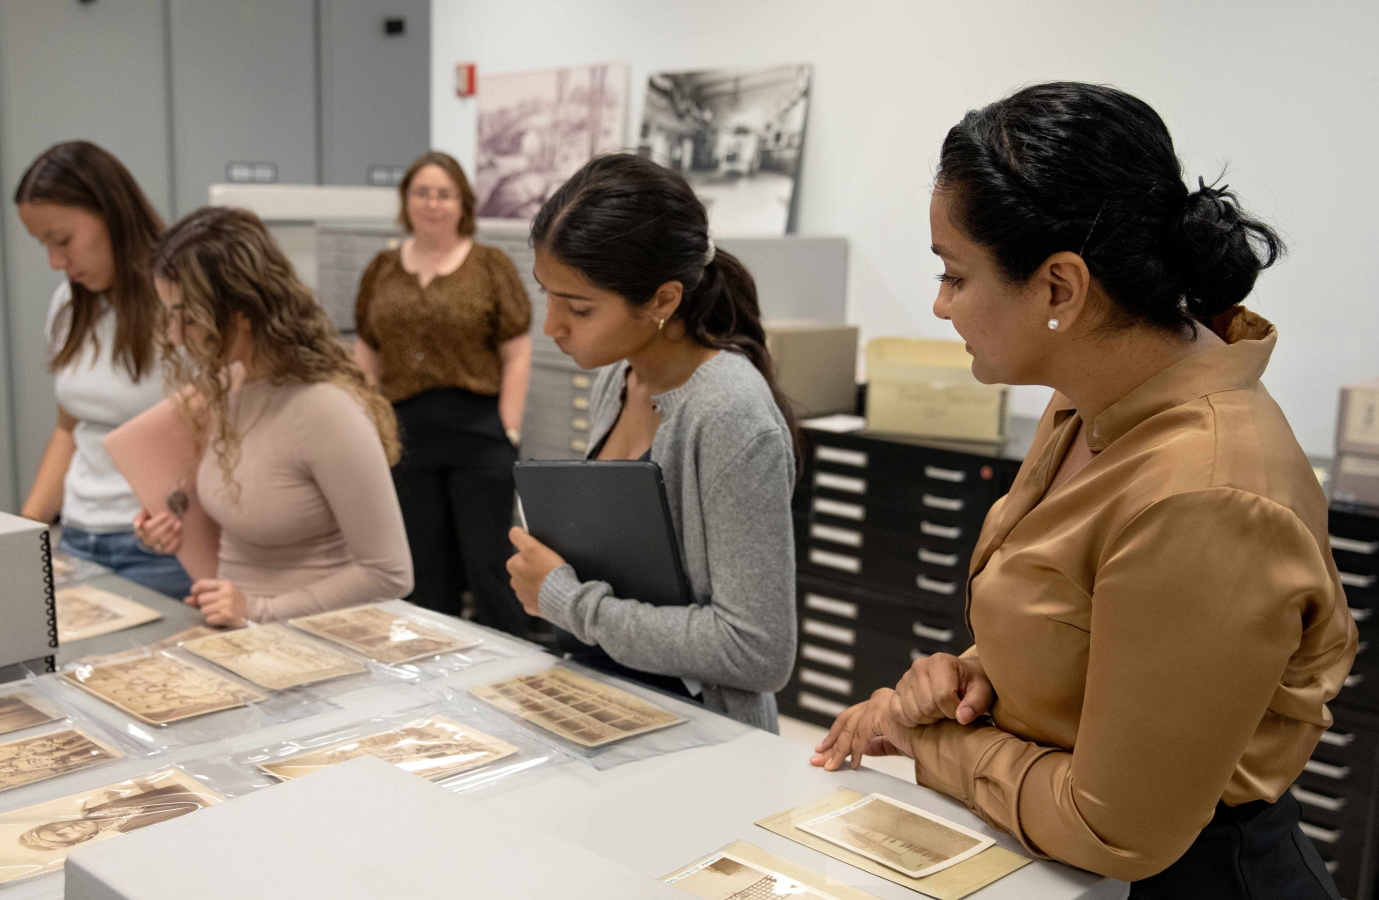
x,y
465,80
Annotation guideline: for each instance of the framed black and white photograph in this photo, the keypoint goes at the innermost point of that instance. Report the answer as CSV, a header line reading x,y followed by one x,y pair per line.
x,y
737,135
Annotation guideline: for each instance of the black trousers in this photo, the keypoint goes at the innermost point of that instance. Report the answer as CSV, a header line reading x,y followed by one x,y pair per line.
x,y
457,525
1254,851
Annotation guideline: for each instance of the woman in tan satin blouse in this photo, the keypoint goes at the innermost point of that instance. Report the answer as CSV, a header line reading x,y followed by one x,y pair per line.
x,y
1157,619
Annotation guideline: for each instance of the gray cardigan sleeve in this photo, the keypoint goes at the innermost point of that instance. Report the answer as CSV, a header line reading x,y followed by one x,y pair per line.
x,y
744,637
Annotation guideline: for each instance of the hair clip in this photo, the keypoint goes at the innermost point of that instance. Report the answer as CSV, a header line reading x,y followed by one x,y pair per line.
x,y
710,253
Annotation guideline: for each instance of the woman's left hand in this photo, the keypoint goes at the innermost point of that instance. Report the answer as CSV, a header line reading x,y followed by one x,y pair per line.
x,y
221,602
866,729
529,568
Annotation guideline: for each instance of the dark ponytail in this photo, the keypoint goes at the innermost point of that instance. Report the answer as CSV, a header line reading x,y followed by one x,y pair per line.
x,y
1090,169
629,226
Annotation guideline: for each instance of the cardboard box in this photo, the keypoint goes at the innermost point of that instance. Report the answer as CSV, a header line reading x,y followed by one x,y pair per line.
x,y
816,365
29,630
926,387
362,830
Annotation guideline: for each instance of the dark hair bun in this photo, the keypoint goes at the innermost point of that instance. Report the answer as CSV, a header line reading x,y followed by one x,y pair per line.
x,y
1218,250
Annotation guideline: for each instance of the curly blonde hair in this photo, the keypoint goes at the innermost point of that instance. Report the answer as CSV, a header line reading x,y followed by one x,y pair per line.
x,y
224,262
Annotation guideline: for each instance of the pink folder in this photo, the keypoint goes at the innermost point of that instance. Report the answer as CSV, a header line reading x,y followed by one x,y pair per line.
x,y
156,454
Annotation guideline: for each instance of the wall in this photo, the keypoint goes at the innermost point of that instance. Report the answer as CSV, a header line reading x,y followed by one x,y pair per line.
x,y
1280,95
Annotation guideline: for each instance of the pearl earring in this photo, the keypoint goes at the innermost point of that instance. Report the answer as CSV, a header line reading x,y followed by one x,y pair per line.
x,y
660,324
1053,324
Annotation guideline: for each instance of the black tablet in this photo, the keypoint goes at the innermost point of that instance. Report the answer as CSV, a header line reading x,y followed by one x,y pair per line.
x,y
610,520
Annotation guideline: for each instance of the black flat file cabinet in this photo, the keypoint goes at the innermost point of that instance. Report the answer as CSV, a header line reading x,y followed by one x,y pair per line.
x,y
884,532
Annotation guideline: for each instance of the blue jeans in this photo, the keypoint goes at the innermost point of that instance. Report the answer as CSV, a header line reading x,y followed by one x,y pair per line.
x,y
123,553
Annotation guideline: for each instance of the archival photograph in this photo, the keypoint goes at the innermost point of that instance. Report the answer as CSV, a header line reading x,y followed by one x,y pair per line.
x,y
537,128
381,635
181,637
272,656
50,755
901,837
737,136
159,689
434,747
579,709
722,876
35,840
24,710
84,611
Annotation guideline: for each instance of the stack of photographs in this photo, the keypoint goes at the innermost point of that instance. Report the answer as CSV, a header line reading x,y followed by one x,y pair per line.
x,y
381,635
273,657
587,712
909,840
85,612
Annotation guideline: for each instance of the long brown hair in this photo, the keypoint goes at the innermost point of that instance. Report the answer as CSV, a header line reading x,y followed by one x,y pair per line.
x,y
223,261
451,167
82,175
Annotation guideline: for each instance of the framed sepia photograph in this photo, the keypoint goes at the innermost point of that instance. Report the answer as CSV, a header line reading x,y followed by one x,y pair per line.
x,y
49,755
899,836
273,656
583,710
381,635
160,689
723,876
84,611
24,709
434,747
35,840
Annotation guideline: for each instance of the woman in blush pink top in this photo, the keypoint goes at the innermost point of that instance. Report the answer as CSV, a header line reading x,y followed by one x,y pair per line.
x,y
296,465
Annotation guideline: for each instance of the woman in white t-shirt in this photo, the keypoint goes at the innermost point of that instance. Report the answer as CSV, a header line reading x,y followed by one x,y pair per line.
x,y
100,230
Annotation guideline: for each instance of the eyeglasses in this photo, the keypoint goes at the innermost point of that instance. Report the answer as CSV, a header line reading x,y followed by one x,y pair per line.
x,y
440,195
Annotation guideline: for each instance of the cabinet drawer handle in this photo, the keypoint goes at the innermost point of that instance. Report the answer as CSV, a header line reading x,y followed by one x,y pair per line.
x,y
951,532
929,633
836,633
840,482
836,535
1359,615
815,703
1318,833
1312,798
946,588
855,511
1337,738
580,382
951,504
839,561
1357,581
916,655
841,608
956,476
828,657
1326,770
938,559
1368,548
827,682
1352,680
1331,865
840,456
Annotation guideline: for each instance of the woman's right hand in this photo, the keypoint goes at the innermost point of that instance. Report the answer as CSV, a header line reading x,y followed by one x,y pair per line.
x,y
161,533
940,687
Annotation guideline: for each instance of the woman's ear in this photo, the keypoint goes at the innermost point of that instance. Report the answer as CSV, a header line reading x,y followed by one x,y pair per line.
x,y
1063,283
665,301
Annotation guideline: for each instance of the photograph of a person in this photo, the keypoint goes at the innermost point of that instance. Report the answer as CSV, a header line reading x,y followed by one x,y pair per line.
x,y
737,136
274,657
381,635
84,611
723,876
434,747
537,128
583,710
160,689
49,755
23,710
36,839
909,840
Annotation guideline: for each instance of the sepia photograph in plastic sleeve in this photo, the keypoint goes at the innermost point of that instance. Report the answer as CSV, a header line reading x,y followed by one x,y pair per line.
x,y
68,569
723,876
909,840
21,709
29,760
433,747
84,611
158,688
35,840
382,635
274,657
181,637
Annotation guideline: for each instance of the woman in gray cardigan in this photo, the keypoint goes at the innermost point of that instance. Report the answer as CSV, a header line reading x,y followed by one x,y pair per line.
x,y
636,288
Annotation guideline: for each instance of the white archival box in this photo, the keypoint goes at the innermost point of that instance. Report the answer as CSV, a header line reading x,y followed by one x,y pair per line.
x,y
361,830
28,630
